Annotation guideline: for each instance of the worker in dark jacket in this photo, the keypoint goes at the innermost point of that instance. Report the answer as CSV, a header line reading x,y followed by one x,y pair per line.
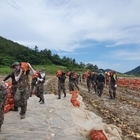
x,y
100,80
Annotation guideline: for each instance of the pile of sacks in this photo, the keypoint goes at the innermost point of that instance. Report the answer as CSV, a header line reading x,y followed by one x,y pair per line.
x,y
97,135
9,103
74,97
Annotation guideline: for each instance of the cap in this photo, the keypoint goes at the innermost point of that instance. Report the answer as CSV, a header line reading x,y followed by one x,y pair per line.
x,y
15,64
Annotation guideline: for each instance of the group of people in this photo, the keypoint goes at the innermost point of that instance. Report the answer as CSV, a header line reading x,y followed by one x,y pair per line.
x,y
98,81
21,89
73,81
94,80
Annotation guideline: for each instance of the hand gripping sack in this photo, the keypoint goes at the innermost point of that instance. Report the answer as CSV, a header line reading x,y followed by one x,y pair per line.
x,y
24,66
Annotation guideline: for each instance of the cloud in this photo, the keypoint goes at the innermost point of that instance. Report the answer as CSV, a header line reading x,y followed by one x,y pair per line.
x,y
62,24
132,54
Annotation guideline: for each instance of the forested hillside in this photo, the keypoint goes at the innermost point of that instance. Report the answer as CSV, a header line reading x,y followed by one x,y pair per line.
x,y
11,51
135,71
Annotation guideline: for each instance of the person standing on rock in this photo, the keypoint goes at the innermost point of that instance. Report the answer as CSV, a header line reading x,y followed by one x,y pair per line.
x,y
3,95
112,84
61,84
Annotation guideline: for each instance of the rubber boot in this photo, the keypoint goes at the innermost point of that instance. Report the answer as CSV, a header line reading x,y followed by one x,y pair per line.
x,y
40,100
22,115
59,97
64,94
30,94
114,94
15,108
110,93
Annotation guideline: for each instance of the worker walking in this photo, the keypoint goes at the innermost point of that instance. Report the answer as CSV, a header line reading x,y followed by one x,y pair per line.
x,y
61,85
112,84
100,80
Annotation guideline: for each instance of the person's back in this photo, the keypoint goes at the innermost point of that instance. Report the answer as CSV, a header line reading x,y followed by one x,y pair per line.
x,y
100,78
113,79
100,84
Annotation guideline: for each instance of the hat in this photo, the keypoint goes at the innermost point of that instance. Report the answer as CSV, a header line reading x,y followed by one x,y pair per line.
x,y
15,64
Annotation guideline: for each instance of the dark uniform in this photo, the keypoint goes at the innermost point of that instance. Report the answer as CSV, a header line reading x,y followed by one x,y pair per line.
x,y
112,83
61,85
89,81
72,81
80,78
100,80
14,86
3,95
22,93
75,78
39,90
34,82
33,85
83,77
93,81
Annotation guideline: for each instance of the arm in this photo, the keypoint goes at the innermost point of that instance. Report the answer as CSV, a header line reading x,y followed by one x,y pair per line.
x,y
39,79
8,76
32,70
18,77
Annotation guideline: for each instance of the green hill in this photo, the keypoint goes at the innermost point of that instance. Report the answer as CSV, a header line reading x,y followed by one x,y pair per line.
x,y
11,51
135,71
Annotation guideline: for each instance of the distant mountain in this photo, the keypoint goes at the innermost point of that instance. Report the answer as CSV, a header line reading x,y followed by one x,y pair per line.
x,y
134,71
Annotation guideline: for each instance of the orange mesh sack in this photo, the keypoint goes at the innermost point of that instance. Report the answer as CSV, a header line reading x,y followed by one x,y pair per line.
x,y
24,66
37,74
9,103
97,135
59,73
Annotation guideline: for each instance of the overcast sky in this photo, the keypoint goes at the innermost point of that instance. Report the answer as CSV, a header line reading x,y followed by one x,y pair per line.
x,y
101,32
